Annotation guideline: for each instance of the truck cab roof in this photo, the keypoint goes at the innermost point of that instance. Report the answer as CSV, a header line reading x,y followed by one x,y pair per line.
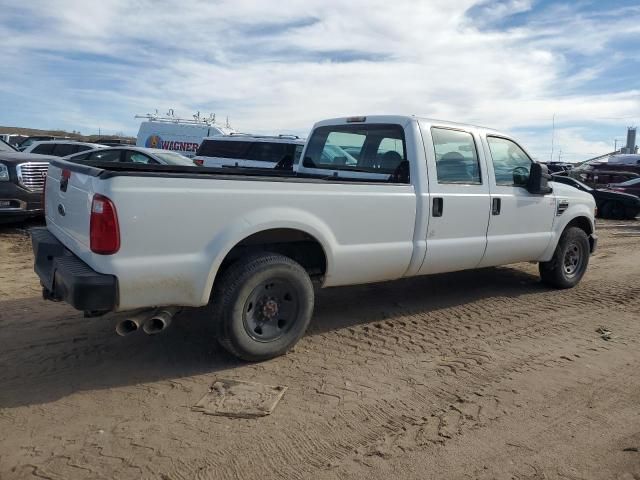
x,y
403,120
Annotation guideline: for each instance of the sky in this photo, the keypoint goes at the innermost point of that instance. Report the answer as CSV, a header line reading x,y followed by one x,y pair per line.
x,y
279,66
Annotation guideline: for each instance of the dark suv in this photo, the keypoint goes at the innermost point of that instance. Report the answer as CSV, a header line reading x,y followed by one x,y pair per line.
x,y
22,178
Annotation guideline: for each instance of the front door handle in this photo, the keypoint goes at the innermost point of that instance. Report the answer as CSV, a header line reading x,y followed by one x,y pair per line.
x,y
496,206
438,206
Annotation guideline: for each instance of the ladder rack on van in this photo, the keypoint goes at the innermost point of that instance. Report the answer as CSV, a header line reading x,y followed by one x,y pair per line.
x,y
171,118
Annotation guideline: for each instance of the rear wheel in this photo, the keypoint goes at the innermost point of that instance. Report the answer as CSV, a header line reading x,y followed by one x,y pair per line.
x,y
613,209
263,305
569,262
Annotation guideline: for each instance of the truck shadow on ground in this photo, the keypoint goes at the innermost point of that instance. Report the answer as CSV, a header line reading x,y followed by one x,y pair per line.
x,y
49,351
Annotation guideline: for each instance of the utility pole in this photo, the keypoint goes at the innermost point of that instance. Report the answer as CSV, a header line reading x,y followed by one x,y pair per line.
x,y
553,133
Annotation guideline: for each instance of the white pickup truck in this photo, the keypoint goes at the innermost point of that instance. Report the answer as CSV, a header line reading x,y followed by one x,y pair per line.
x,y
410,196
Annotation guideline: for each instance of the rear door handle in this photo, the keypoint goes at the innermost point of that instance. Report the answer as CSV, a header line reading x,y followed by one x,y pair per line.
x,y
496,206
438,206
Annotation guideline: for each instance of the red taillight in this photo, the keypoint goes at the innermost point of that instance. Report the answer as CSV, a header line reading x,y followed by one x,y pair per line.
x,y
198,161
104,231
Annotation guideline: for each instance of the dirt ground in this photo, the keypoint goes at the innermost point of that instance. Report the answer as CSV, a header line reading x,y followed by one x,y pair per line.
x,y
472,375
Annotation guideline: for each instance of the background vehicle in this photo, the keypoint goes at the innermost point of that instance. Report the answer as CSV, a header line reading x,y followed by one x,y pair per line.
x,y
424,197
630,186
624,159
177,134
599,174
13,139
24,144
147,156
60,148
254,151
21,180
557,167
611,204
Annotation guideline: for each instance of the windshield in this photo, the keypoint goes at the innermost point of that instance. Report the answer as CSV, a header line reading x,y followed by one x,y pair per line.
x,y
174,159
5,147
29,141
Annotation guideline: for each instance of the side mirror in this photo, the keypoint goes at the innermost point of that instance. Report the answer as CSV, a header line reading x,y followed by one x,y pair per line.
x,y
539,177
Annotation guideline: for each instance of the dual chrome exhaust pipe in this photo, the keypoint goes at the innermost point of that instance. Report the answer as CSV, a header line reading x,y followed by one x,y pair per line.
x,y
151,321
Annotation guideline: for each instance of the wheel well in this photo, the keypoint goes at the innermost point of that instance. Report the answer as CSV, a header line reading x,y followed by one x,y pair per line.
x,y
295,244
584,224
581,222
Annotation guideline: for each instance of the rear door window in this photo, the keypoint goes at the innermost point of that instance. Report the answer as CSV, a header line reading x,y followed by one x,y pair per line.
x,y
44,149
105,156
82,148
137,157
267,152
372,148
224,149
456,157
82,156
64,149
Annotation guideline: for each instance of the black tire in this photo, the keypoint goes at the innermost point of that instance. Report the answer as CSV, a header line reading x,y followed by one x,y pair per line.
x,y
619,211
606,210
569,262
263,305
631,213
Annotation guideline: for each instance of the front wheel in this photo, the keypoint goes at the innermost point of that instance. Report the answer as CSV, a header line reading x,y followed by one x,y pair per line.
x,y
569,262
263,305
631,213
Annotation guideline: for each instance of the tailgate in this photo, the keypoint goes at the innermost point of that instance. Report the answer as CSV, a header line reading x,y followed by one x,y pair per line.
x,y
68,196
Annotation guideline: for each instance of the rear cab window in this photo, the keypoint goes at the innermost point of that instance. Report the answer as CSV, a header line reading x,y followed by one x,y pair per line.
x,y
375,149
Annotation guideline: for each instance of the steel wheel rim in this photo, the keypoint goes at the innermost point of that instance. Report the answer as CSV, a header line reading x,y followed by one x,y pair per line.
x,y
573,259
271,310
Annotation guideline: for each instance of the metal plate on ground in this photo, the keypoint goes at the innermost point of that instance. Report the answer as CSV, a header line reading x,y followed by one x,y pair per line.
x,y
235,398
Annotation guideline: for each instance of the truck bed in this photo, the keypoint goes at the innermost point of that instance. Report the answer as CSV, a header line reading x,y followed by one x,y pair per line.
x,y
105,170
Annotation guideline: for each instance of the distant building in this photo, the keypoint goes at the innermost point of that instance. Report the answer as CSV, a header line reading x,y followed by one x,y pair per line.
x,y
631,146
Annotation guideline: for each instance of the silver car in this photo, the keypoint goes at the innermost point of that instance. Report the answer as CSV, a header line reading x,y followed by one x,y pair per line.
x,y
132,154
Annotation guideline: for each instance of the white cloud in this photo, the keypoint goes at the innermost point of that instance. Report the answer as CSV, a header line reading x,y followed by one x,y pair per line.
x,y
280,66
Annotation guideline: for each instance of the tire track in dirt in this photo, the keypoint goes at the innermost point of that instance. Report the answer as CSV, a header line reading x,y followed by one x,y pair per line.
x,y
377,422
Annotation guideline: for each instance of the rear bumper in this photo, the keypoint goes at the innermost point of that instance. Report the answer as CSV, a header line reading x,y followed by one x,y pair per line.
x,y
64,277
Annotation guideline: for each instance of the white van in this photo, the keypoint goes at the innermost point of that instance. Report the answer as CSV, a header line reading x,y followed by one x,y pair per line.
x,y
281,152
179,135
